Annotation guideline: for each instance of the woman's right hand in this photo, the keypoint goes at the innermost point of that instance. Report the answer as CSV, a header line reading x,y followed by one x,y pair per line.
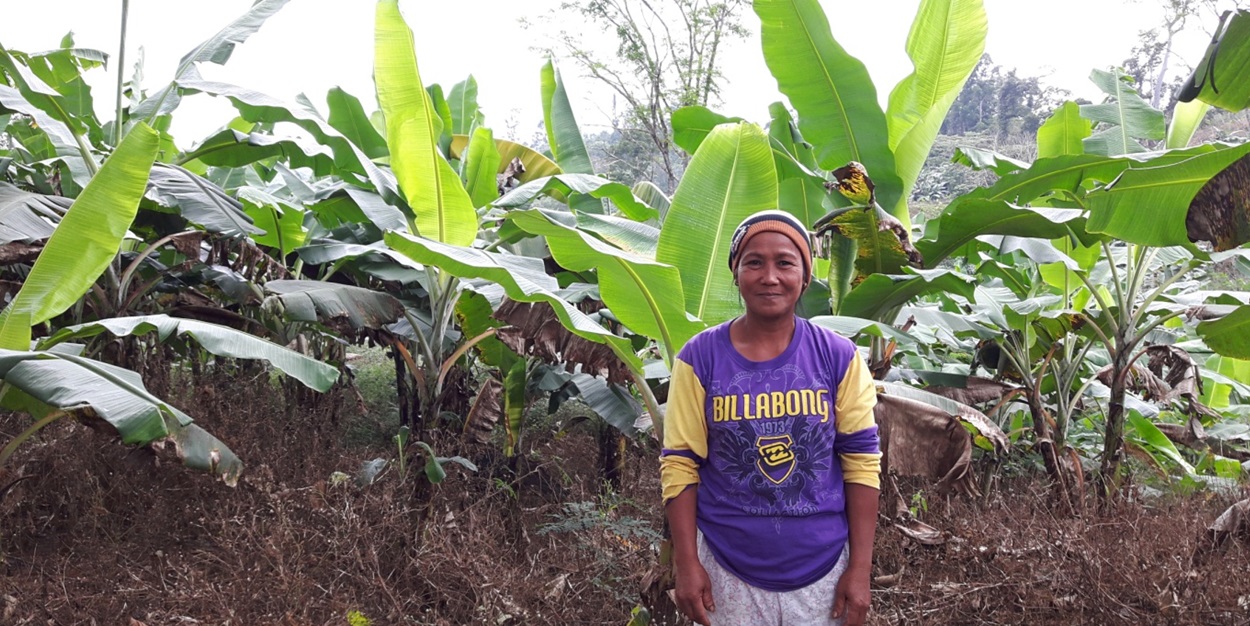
x,y
694,593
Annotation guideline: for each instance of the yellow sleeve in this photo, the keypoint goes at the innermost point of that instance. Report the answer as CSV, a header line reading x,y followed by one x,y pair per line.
x,y
685,432
857,395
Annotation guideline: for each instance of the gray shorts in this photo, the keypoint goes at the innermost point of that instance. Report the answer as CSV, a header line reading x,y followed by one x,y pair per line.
x,y
739,604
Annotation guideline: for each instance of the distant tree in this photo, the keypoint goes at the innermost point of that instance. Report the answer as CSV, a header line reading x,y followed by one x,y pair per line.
x,y
667,56
1001,102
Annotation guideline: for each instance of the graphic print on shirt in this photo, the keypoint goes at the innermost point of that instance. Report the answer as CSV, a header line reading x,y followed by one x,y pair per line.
x,y
776,435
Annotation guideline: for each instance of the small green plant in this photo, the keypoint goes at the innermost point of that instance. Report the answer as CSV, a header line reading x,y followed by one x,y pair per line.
x,y
919,504
356,618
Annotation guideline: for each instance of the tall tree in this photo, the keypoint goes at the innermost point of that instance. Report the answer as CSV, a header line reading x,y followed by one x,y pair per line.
x,y
667,56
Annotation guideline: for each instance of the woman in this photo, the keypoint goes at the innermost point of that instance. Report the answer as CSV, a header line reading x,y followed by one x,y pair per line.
x,y
771,462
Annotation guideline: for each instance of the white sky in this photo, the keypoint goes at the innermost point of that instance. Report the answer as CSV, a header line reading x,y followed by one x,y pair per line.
x,y
313,45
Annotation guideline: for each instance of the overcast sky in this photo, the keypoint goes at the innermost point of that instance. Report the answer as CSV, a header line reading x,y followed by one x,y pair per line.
x,y
313,45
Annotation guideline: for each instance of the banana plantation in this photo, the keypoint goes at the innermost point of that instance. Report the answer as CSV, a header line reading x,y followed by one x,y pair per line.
x,y
1062,357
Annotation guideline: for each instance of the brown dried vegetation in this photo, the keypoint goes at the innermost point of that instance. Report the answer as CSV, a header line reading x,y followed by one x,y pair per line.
x,y
100,535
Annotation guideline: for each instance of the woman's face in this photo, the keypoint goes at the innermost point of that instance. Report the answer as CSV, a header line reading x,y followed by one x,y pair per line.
x,y
770,275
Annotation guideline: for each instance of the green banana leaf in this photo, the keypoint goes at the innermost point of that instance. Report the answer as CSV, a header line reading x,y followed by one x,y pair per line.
x,y
440,117
86,240
64,142
1127,118
652,196
231,148
966,220
731,176
1220,78
333,304
282,222
564,185
1228,335
27,217
514,405
786,136
979,159
945,44
258,108
1147,437
803,199
691,125
218,340
40,382
634,237
878,294
610,401
835,99
216,49
348,117
1186,118
199,201
536,165
520,281
462,106
851,326
480,166
644,295
1064,132
443,209
49,101
1150,205
563,135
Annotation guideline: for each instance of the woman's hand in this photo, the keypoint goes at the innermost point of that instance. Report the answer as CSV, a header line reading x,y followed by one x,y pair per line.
x,y
852,596
694,593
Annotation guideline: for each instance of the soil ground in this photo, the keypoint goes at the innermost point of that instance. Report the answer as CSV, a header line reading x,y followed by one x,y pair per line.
x,y
100,534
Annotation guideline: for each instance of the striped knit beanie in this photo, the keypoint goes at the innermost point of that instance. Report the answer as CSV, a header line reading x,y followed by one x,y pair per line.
x,y
772,221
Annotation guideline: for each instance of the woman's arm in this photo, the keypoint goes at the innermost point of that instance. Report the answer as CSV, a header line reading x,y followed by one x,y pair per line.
x,y
694,589
852,598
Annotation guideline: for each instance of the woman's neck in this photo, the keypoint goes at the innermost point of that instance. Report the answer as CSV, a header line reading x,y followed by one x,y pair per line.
x,y
761,339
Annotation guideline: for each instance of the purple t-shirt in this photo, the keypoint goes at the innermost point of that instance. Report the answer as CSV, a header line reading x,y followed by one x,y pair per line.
x,y
771,500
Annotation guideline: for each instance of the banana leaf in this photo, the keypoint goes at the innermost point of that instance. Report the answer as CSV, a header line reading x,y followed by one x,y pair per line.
x,y
945,45
333,304
536,165
1152,205
1125,119
442,206
479,168
979,159
231,148
40,382
1219,79
564,185
86,240
218,340
349,118
691,125
878,294
27,217
731,176
1186,118
1228,335
258,108
635,237
1064,132
216,49
199,201
644,295
521,282
563,135
835,99
462,106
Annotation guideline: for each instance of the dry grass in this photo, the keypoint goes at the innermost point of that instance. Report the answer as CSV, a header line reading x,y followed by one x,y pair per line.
x,y
100,535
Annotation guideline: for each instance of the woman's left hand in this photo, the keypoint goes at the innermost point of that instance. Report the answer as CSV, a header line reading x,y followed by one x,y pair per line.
x,y
852,596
